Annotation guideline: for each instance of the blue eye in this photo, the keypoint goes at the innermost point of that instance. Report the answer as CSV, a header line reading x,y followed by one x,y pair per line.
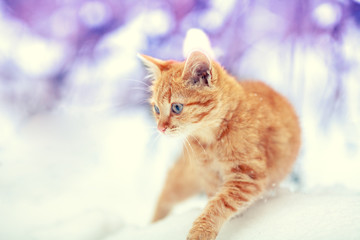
x,y
157,110
176,108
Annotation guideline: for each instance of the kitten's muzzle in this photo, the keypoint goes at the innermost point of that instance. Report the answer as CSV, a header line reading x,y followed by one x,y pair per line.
x,y
162,128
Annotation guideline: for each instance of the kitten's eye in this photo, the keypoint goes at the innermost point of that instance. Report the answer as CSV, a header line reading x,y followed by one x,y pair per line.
x,y
157,110
176,108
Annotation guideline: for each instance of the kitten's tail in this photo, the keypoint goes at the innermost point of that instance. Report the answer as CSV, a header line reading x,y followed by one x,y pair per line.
x,y
196,39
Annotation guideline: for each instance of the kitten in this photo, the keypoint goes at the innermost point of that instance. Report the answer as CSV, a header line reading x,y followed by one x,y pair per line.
x,y
241,138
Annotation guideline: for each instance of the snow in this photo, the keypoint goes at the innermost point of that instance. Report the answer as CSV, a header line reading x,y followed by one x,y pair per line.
x,y
286,216
97,176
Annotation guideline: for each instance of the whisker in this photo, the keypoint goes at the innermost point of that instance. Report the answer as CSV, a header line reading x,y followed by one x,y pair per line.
x,y
155,140
198,142
188,158
158,135
189,144
137,81
141,89
151,128
119,106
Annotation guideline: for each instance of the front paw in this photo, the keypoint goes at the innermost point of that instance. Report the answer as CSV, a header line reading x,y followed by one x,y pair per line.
x,y
160,213
202,230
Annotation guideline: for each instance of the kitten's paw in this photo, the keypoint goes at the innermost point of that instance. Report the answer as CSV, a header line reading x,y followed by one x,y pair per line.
x,y
202,231
201,234
160,214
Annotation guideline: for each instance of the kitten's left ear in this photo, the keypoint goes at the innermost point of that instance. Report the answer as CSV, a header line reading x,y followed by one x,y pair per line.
x,y
197,70
154,66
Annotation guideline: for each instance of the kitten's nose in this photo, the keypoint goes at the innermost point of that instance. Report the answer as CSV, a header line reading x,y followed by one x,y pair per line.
x,y
162,128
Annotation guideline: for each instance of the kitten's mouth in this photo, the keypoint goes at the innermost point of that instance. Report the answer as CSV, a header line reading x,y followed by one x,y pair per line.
x,y
170,132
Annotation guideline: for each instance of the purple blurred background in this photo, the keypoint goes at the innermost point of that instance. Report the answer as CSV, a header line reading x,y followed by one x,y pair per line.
x,y
83,52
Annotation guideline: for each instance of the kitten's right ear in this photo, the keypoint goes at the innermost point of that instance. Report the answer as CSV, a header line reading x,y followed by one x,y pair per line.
x,y
153,65
197,70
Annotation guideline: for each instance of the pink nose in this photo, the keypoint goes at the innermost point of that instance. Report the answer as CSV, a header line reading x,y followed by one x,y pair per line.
x,y
162,128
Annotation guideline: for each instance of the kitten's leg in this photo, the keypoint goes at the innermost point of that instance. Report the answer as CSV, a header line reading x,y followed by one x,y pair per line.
x,y
180,184
236,194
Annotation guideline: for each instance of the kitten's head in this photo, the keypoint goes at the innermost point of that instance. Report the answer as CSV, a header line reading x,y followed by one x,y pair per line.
x,y
184,94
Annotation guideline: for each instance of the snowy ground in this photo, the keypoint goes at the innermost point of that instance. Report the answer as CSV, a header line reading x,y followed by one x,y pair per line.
x,y
287,216
97,176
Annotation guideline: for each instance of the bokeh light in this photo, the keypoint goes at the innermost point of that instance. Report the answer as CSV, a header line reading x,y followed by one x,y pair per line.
x,y
327,14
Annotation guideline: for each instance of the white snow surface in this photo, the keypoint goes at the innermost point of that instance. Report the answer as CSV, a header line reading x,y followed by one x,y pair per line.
x,y
286,216
96,176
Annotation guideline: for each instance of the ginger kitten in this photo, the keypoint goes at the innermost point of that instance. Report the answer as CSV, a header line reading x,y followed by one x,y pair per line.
x,y
241,137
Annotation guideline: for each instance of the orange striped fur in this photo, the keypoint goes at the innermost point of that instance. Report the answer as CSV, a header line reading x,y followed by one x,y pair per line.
x,y
241,137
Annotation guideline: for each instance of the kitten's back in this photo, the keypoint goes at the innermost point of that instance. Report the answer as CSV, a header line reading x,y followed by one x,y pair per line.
x,y
281,130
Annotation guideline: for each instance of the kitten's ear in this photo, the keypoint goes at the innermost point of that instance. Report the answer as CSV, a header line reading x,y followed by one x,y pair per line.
x,y
153,65
197,70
